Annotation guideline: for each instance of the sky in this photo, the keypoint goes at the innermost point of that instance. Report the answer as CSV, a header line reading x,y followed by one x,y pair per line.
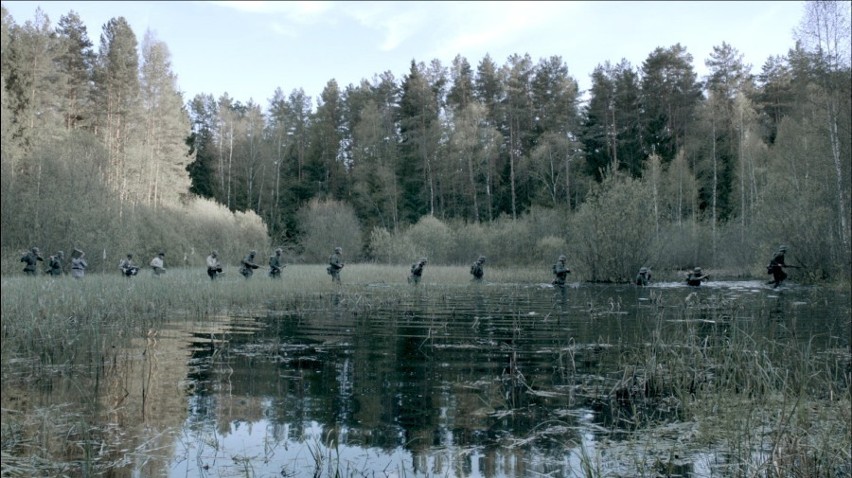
x,y
249,48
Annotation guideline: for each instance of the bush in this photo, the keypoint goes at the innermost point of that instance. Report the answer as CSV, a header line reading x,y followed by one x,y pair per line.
x,y
327,224
613,231
432,239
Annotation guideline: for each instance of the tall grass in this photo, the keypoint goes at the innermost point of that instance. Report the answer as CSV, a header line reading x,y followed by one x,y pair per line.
x,y
762,404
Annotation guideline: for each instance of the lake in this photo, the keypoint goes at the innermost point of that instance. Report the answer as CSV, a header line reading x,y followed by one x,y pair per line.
x,y
490,380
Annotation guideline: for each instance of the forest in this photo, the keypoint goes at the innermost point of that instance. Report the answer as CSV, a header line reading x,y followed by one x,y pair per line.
x,y
653,166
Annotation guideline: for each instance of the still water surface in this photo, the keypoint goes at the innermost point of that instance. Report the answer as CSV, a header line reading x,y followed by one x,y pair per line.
x,y
488,381
495,381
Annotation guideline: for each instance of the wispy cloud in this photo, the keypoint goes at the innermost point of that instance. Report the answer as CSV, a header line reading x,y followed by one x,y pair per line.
x,y
395,22
477,27
300,12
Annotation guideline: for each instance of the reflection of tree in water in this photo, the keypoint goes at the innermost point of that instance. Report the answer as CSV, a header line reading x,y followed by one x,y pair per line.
x,y
414,409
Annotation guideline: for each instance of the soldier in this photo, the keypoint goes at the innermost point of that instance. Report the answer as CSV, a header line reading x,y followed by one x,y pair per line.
x,y
476,269
695,277
54,265
78,264
275,264
335,264
643,277
157,264
776,267
128,268
248,266
31,257
417,271
561,271
214,268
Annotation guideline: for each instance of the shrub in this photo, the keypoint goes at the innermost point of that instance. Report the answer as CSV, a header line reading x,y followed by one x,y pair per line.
x,y
327,224
613,231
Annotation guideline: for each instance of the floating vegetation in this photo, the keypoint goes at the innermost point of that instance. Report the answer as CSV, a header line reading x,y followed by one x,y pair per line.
x,y
301,377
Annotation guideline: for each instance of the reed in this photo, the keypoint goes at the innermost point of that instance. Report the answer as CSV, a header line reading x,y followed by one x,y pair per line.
x,y
762,404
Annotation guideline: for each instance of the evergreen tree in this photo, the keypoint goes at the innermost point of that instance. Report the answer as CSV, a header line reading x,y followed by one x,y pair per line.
x,y
774,97
461,92
670,94
420,131
326,168
76,58
202,146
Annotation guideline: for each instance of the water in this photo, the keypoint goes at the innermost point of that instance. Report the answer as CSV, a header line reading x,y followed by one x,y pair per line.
x,y
480,381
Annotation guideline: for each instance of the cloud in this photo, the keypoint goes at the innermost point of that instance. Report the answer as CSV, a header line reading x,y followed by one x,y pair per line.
x,y
300,12
477,27
395,22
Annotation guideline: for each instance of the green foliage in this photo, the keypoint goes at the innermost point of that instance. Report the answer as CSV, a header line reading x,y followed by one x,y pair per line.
x,y
327,224
613,231
472,147
536,238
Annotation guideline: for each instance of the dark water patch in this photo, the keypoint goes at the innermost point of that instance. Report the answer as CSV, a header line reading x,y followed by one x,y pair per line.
x,y
495,381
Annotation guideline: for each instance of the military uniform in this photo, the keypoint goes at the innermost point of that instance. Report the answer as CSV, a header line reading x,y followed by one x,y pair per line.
x,y
695,277
643,277
247,265
31,258
54,266
275,265
561,271
79,265
128,268
214,268
476,270
776,267
417,271
335,264
157,264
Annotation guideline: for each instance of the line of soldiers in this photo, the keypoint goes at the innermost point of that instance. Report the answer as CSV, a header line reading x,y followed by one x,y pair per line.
x,y
247,265
129,269
335,265
32,257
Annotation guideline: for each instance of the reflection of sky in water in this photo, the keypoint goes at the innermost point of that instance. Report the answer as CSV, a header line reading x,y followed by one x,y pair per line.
x,y
461,331
263,449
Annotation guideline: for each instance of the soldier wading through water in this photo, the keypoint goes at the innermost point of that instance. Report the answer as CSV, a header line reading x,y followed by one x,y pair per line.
x,y
335,264
476,270
275,264
417,271
248,266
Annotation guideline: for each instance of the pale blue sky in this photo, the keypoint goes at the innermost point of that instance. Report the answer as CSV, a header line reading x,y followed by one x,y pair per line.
x,y
247,49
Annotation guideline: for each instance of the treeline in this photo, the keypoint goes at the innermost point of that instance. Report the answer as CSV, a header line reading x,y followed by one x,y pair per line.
x,y
652,166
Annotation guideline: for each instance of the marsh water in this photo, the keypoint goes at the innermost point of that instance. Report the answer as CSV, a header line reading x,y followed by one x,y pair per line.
x,y
478,381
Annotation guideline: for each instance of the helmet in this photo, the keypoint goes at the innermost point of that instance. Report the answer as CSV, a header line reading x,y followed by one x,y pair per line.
x,y
698,270
643,270
35,249
252,252
338,249
422,260
279,250
481,260
214,254
782,248
562,258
